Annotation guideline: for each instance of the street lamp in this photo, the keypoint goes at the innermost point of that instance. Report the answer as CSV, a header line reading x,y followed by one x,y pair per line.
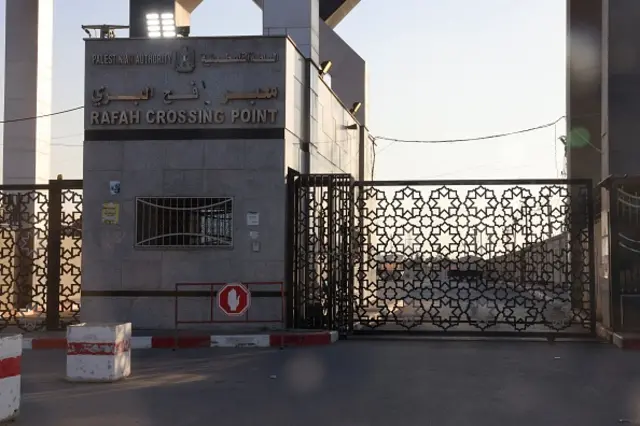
x,y
161,25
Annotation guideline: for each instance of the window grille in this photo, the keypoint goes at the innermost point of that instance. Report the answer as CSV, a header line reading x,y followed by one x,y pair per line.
x,y
184,222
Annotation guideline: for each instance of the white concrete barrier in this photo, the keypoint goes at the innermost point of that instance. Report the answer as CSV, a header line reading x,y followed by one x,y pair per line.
x,y
10,360
98,352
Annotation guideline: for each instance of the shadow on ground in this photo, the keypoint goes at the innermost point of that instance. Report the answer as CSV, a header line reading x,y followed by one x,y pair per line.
x,y
361,383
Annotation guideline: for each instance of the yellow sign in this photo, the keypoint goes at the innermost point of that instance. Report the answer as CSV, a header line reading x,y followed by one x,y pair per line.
x,y
110,213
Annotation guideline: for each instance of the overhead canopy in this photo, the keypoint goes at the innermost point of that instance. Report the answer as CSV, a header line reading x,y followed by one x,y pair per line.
x,y
331,11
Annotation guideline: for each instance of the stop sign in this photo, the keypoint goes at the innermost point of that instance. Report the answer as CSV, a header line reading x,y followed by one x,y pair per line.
x,y
234,299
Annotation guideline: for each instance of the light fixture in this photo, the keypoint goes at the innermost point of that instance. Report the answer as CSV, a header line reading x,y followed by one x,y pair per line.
x,y
105,31
325,67
355,107
161,25
183,31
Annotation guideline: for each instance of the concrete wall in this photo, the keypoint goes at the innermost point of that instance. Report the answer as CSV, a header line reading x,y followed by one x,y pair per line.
x,y
621,86
334,148
295,125
348,73
244,161
298,19
28,91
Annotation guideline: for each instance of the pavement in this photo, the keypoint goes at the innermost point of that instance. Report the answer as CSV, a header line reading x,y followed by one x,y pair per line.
x,y
351,383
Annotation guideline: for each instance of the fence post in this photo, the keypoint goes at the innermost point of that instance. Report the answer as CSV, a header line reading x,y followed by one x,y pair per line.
x,y
330,245
289,249
592,281
53,254
614,257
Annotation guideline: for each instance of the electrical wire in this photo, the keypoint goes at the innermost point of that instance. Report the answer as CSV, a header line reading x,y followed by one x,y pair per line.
x,y
386,138
374,138
474,139
35,117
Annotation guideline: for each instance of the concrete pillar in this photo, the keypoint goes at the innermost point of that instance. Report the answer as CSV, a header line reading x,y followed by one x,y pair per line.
x,y
621,150
299,19
28,91
621,87
27,143
584,71
584,131
184,8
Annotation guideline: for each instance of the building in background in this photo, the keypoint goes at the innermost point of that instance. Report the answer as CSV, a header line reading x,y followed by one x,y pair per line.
x,y
188,141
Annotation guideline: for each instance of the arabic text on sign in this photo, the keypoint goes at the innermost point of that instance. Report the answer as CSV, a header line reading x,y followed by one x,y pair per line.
x,y
133,59
170,97
184,116
102,97
110,213
260,94
210,59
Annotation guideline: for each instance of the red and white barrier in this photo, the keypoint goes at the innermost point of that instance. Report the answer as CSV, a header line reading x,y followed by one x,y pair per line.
x,y
198,340
10,359
98,352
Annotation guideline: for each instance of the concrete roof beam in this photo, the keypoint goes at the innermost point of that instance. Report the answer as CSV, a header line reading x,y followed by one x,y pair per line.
x,y
332,12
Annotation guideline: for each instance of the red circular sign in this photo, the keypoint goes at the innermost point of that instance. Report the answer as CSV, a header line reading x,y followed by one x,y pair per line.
x,y
234,299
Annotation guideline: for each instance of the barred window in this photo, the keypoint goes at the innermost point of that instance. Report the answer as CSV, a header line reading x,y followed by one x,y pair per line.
x,y
184,222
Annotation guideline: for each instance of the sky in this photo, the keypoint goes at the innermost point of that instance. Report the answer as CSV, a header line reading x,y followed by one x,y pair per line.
x,y
438,69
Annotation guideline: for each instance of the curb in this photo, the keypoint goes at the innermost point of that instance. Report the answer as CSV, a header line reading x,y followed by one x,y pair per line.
x,y
626,342
204,341
604,333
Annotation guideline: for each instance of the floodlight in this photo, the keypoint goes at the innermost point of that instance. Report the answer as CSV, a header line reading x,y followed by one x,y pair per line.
x,y
161,24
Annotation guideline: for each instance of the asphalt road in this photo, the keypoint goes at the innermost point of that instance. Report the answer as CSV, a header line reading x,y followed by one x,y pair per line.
x,y
352,383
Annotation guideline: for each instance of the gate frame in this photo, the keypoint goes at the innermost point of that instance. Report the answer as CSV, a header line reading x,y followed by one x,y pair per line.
x,y
54,248
339,314
612,185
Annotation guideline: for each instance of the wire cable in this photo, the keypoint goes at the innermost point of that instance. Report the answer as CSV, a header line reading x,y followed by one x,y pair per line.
x,y
65,111
474,139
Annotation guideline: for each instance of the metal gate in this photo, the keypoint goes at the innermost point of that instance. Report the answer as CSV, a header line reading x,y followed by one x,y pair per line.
x,y
624,205
40,255
321,251
464,257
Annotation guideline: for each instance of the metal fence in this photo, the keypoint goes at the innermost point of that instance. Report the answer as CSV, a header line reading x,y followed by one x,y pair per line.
x,y
441,256
40,255
623,277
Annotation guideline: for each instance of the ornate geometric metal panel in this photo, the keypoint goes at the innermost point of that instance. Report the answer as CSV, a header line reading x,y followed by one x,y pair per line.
x,y
499,257
321,217
70,255
36,290
24,234
484,257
